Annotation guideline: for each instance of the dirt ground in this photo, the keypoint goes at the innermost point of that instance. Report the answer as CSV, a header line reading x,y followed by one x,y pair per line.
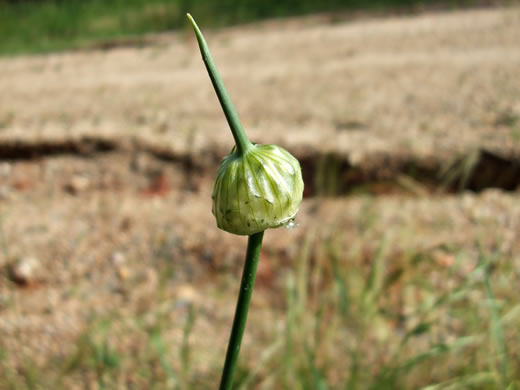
x,y
107,159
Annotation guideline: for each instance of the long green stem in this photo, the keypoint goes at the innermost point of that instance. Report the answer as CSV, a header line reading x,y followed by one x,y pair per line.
x,y
244,298
241,140
255,241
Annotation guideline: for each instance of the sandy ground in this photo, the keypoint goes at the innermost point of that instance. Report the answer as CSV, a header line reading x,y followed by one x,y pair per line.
x,y
100,231
429,86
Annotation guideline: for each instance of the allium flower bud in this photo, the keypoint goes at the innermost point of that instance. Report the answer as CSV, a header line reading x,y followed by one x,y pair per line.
x,y
258,186
257,190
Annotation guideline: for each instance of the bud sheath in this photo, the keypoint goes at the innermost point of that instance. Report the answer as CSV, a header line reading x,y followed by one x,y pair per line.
x,y
258,190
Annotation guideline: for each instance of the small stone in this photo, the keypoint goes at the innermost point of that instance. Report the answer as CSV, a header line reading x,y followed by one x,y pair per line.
x,y
5,169
123,272
77,184
118,258
26,271
186,294
143,163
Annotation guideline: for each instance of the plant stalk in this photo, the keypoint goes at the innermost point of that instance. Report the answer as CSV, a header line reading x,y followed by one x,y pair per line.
x,y
242,142
244,298
254,244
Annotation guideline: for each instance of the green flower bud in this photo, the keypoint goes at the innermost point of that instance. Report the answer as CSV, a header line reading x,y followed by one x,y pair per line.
x,y
258,186
257,190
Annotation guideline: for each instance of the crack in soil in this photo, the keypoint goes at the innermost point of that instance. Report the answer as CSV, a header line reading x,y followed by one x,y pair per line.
x,y
325,174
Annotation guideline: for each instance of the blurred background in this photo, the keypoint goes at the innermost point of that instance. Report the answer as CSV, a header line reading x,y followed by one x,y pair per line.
x,y
50,25
403,270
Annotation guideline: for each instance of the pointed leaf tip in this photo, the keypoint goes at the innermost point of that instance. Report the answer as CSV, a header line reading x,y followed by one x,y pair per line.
x,y
242,142
193,23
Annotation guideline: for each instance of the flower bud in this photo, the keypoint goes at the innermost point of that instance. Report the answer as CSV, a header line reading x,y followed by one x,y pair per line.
x,y
258,189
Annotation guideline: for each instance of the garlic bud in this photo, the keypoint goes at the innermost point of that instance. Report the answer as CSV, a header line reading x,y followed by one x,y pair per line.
x,y
257,190
258,186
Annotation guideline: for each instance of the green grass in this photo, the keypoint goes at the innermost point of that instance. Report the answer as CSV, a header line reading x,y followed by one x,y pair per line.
x,y
52,25
352,319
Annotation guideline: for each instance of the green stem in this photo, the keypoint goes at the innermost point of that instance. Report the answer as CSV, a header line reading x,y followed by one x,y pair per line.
x,y
244,298
242,142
